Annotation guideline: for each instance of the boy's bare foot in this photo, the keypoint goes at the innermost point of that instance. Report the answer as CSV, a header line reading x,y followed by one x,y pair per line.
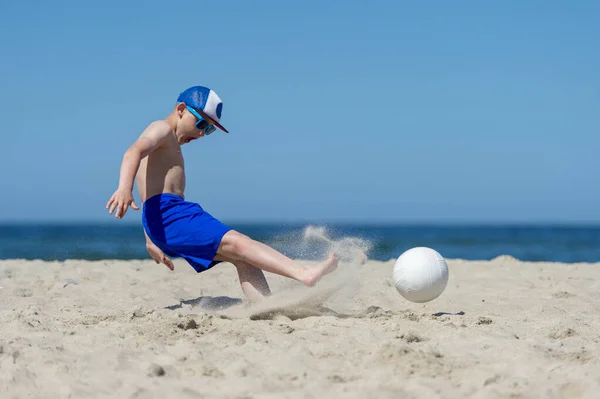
x,y
315,273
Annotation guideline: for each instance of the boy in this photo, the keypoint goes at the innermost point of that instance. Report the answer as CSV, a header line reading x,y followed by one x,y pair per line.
x,y
177,228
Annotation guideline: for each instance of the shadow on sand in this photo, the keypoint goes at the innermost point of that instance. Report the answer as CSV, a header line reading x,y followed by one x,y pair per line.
x,y
209,303
439,314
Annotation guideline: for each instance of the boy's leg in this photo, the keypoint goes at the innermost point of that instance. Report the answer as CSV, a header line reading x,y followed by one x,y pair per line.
x,y
252,279
239,247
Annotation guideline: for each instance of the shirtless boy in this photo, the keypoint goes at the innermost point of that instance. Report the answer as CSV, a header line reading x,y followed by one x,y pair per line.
x,y
175,227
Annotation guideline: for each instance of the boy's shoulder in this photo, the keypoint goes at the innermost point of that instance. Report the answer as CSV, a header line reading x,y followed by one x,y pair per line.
x,y
159,125
157,131
157,134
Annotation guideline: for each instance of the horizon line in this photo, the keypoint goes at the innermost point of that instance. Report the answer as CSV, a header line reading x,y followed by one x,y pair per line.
x,y
323,222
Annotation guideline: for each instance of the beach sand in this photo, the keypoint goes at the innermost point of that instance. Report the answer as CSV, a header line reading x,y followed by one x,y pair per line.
x,y
134,329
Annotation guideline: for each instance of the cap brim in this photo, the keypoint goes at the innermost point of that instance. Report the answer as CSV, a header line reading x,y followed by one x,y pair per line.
x,y
217,124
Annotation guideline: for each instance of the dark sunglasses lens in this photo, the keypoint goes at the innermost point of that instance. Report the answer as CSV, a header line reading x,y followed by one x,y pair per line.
x,y
202,124
209,130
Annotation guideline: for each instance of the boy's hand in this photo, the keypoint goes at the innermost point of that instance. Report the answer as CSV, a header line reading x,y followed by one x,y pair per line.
x,y
159,256
121,200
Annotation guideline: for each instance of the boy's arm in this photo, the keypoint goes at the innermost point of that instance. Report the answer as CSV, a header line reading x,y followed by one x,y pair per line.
x,y
149,140
148,240
157,254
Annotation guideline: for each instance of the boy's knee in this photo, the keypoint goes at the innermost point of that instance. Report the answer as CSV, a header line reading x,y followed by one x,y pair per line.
x,y
235,244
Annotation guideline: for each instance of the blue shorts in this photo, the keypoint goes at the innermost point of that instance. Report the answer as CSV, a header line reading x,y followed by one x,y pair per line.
x,y
183,229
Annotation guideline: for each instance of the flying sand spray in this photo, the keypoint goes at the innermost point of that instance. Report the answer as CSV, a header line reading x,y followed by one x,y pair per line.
x,y
351,250
301,302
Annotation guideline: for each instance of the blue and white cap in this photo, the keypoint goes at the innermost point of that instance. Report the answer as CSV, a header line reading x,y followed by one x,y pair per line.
x,y
204,100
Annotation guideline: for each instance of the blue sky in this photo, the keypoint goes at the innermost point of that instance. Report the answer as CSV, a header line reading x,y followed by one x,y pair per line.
x,y
381,111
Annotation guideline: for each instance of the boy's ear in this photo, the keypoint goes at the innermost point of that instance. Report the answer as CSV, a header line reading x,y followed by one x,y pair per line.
x,y
180,108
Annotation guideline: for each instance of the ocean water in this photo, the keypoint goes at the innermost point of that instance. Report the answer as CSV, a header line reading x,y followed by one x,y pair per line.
x,y
125,241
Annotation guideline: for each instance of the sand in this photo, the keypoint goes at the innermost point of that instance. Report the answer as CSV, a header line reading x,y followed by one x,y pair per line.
x,y
134,329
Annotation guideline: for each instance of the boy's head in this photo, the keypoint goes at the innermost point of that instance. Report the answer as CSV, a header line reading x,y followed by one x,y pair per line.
x,y
199,112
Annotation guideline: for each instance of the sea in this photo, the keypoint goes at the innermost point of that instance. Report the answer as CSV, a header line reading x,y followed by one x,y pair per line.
x,y
548,243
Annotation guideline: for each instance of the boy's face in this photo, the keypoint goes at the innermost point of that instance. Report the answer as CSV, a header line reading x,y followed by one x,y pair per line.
x,y
187,129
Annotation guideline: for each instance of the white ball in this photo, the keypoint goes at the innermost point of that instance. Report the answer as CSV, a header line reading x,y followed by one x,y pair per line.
x,y
420,274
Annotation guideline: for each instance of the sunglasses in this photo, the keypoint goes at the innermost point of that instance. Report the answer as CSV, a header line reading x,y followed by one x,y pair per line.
x,y
202,123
